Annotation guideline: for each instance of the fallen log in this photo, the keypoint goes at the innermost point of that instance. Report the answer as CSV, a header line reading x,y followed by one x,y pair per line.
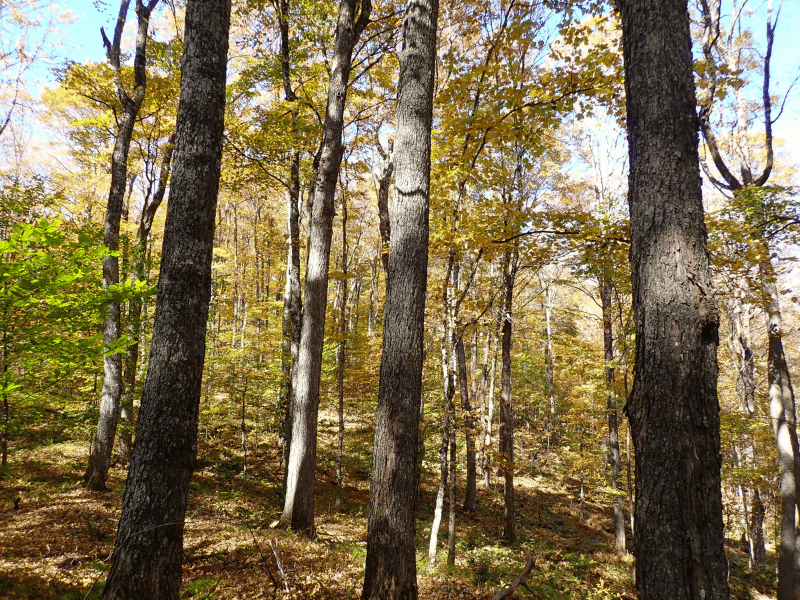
x,y
520,580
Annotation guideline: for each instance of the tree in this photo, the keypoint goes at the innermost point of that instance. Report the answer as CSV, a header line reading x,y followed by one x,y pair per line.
x,y
725,58
673,408
100,457
50,306
391,569
298,510
149,545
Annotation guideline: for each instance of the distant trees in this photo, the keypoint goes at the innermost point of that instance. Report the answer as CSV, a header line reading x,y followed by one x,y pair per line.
x,y
673,408
149,546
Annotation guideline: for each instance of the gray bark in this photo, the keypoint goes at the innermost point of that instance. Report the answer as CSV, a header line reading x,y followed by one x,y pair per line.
x,y
391,569
298,509
784,421
147,557
673,408
139,273
100,457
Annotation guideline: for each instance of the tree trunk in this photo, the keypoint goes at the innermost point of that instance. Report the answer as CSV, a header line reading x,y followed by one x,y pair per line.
x,y
149,545
470,497
100,457
506,435
391,566
451,500
549,367
784,422
138,273
443,467
298,510
614,455
673,408
448,415
291,319
487,440
4,434
342,356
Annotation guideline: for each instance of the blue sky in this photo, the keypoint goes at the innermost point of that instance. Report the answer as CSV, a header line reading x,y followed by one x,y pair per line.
x,y
82,42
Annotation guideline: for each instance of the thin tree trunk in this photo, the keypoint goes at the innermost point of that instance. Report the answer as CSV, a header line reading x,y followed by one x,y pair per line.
x,y
148,550
391,565
448,389
4,436
451,500
549,368
138,273
291,318
506,448
100,457
673,408
298,510
614,455
487,440
342,356
470,497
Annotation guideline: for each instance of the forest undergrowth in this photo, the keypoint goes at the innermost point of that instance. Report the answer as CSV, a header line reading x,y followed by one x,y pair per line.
x,y
56,537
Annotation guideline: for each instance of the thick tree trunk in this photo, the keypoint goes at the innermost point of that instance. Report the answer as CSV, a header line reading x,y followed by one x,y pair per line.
x,y
784,421
149,546
391,567
298,509
506,447
673,408
100,457
614,455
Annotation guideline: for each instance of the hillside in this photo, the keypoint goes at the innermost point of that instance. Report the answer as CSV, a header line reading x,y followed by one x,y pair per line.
x,y
56,545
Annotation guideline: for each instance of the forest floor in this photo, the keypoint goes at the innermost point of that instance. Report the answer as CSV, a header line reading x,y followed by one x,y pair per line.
x,y
57,543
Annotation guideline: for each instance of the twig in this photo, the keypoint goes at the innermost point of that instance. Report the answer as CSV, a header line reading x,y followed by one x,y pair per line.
x,y
274,547
263,558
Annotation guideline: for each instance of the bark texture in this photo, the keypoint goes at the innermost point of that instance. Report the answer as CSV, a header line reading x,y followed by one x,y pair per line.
x,y
784,421
298,509
673,407
391,569
100,457
147,556
139,273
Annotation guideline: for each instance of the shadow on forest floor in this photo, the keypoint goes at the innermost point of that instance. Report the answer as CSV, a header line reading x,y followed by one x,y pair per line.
x,y
57,544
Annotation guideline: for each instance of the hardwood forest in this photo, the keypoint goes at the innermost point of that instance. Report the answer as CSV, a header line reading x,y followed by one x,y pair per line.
x,y
369,299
